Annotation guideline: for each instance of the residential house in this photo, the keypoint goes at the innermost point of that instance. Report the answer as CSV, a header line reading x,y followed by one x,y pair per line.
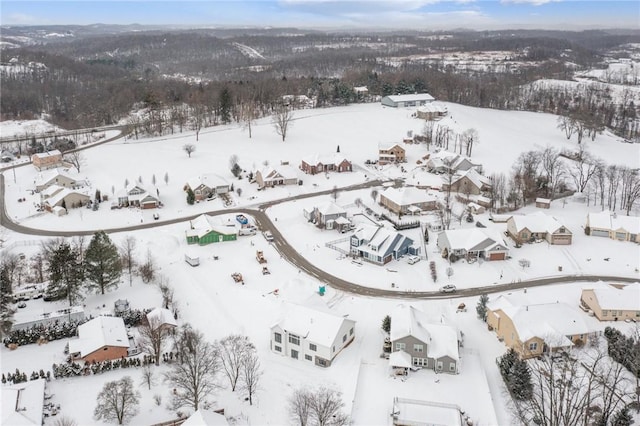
x,y
102,338
391,153
379,245
445,162
206,229
313,336
473,243
206,418
431,111
429,344
413,412
136,195
408,200
208,185
543,203
538,226
27,320
613,302
404,101
65,197
56,177
47,160
161,318
322,164
611,225
270,177
329,216
23,403
468,182
532,330
6,156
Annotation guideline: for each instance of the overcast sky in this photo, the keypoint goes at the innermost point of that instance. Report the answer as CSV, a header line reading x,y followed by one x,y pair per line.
x,y
370,14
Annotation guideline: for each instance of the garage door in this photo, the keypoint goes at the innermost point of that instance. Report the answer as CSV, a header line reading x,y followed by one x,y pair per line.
x,y
562,240
497,256
599,233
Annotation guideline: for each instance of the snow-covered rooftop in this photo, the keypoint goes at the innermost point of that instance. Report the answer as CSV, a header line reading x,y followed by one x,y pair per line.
x,y
161,316
471,238
408,195
626,298
315,326
206,418
204,224
613,221
22,403
330,208
537,222
99,332
412,97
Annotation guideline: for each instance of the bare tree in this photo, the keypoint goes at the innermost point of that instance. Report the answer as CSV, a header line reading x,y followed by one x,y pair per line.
x,y
189,148
300,406
526,171
498,189
65,421
147,270
583,168
612,187
76,159
553,168
335,193
469,138
250,374
630,188
153,335
166,178
326,408
282,120
565,124
194,375
231,352
248,114
127,249
148,378
117,401
374,195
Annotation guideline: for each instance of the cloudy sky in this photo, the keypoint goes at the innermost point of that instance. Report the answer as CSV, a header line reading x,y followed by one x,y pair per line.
x,y
369,14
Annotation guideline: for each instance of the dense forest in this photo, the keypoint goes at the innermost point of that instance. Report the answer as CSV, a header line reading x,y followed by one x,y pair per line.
x,y
95,76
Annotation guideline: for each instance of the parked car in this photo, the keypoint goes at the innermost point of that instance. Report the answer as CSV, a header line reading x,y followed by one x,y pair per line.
x,y
449,288
268,236
413,259
22,305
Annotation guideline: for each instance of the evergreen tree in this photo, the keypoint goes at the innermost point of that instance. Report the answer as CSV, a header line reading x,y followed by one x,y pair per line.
x,y
191,197
386,324
103,267
481,307
65,274
622,418
519,381
6,309
225,105
506,364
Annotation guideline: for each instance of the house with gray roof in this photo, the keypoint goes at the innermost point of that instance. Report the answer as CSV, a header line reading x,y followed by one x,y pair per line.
x,y
380,245
405,101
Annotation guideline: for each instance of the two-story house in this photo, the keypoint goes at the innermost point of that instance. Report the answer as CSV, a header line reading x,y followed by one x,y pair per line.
x,y
379,245
429,344
310,335
391,153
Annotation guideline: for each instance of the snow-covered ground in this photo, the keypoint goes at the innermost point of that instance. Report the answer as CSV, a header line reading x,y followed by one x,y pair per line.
x,y
209,299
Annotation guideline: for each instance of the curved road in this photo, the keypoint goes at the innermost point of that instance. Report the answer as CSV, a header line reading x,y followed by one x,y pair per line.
x,y
291,254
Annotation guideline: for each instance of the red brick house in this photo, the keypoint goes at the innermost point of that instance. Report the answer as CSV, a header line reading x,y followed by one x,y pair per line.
x,y
102,338
323,164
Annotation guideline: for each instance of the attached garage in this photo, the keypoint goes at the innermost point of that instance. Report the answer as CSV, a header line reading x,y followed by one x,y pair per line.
x,y
497,256
599,233
561,240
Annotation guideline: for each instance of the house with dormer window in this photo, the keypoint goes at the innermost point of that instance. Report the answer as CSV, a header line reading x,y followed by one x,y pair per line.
x,y
136,195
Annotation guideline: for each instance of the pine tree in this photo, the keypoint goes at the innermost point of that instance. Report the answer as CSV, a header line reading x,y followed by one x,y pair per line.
x,y
386,324
481,307
6,309
65,274
191,197
519,381
506,364
225,105
103,267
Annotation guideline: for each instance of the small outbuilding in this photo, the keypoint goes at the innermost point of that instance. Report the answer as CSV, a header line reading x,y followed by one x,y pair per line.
x,y
543,203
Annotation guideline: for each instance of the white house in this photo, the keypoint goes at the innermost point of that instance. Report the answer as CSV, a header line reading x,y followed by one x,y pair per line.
x,y
208,185
161,317
402,101
534,226
23,403
473,243
136,195
206,418
310,335
611,225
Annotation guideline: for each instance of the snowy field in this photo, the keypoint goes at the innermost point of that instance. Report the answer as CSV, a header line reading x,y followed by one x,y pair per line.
x,y
209,299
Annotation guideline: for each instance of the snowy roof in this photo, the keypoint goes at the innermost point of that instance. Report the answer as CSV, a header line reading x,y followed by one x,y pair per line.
x,y
325,159
471,239
400,359
330,208
206,418
433,107
313,325
386,146
476,178
282,172
537,222
441,340
51,190
49,175
414,412
626,298
58,196
407,195
360,89
379,241
542,200
161,316
210,180
47,154
552,322
99,332
411,97
22,403
613,221
203,224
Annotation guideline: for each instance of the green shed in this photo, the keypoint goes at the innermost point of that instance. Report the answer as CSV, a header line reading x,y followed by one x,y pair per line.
x,y
203,232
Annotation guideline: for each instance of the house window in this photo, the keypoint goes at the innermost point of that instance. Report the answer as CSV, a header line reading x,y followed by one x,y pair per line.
x,y
418,347
313,347
351,332
294,339
605,313
294,354
400,346
322,362
420,362
525,236
439,366
344,338
278,337
533,346
308,357
452,367
278,348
